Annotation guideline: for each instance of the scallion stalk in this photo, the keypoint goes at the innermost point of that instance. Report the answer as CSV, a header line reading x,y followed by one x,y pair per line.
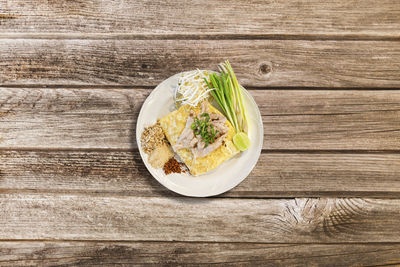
x,y
228,93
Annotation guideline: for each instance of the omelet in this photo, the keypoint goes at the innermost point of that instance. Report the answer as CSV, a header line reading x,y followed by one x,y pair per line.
x,y
173,125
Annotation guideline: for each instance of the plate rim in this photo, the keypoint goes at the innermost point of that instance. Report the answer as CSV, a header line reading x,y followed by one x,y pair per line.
x,y
155,176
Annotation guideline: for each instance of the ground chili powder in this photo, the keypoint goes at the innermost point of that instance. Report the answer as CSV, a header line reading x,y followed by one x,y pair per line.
x,y
172,166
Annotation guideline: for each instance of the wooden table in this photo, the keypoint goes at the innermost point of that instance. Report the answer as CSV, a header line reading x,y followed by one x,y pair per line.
x,y
74,190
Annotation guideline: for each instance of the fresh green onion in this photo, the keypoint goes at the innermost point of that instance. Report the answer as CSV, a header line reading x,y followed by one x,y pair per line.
x,y
203,128
228,93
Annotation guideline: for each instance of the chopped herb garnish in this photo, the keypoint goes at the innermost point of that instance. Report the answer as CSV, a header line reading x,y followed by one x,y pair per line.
x,y
204,129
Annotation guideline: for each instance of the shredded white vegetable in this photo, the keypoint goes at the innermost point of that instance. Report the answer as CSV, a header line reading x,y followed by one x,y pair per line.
x,y
191,88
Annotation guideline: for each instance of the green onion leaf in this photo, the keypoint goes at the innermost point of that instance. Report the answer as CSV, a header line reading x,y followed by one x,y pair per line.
x,y
228,93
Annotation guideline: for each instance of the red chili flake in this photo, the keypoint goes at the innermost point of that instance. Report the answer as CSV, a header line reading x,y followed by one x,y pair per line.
x,y
172,166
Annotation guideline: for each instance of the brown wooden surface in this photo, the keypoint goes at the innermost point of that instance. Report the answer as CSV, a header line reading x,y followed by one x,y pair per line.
x,y
74,191
82,217
276,174
196,17
261,63
189,253
293,119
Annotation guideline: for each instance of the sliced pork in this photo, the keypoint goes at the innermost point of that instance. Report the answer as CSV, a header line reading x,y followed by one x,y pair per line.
x,y
189,140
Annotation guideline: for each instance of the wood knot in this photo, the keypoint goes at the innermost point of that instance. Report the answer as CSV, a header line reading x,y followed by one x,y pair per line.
x,y
265,69
305,215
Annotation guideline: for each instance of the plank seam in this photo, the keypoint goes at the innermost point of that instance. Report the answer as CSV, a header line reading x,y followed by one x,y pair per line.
x,y
201,36
150,87
195,242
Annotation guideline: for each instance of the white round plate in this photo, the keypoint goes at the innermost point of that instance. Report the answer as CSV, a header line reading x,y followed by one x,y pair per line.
x,y
227,175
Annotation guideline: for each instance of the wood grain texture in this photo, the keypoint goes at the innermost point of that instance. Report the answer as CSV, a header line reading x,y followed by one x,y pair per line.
x,y
74,190
80,217
293,119
276,174
265,63
50,118
337,17
220,254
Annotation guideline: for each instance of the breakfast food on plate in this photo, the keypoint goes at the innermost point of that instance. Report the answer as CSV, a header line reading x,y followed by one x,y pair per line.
x,y
201,136
200,151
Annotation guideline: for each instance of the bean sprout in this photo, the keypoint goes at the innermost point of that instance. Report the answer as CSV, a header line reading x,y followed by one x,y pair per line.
x,y
191,88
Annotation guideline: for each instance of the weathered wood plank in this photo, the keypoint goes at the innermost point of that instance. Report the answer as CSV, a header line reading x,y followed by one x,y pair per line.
x,y
50,118
276,174
287,63
220,254
337,17
293,119
80,217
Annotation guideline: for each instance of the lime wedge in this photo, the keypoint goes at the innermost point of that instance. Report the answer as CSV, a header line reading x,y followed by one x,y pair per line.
x,y
241,141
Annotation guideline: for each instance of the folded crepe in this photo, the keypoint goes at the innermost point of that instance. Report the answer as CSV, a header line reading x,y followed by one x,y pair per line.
x,y
174,123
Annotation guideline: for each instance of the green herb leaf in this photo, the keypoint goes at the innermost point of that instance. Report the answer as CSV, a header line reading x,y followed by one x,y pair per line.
x,y
228,93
